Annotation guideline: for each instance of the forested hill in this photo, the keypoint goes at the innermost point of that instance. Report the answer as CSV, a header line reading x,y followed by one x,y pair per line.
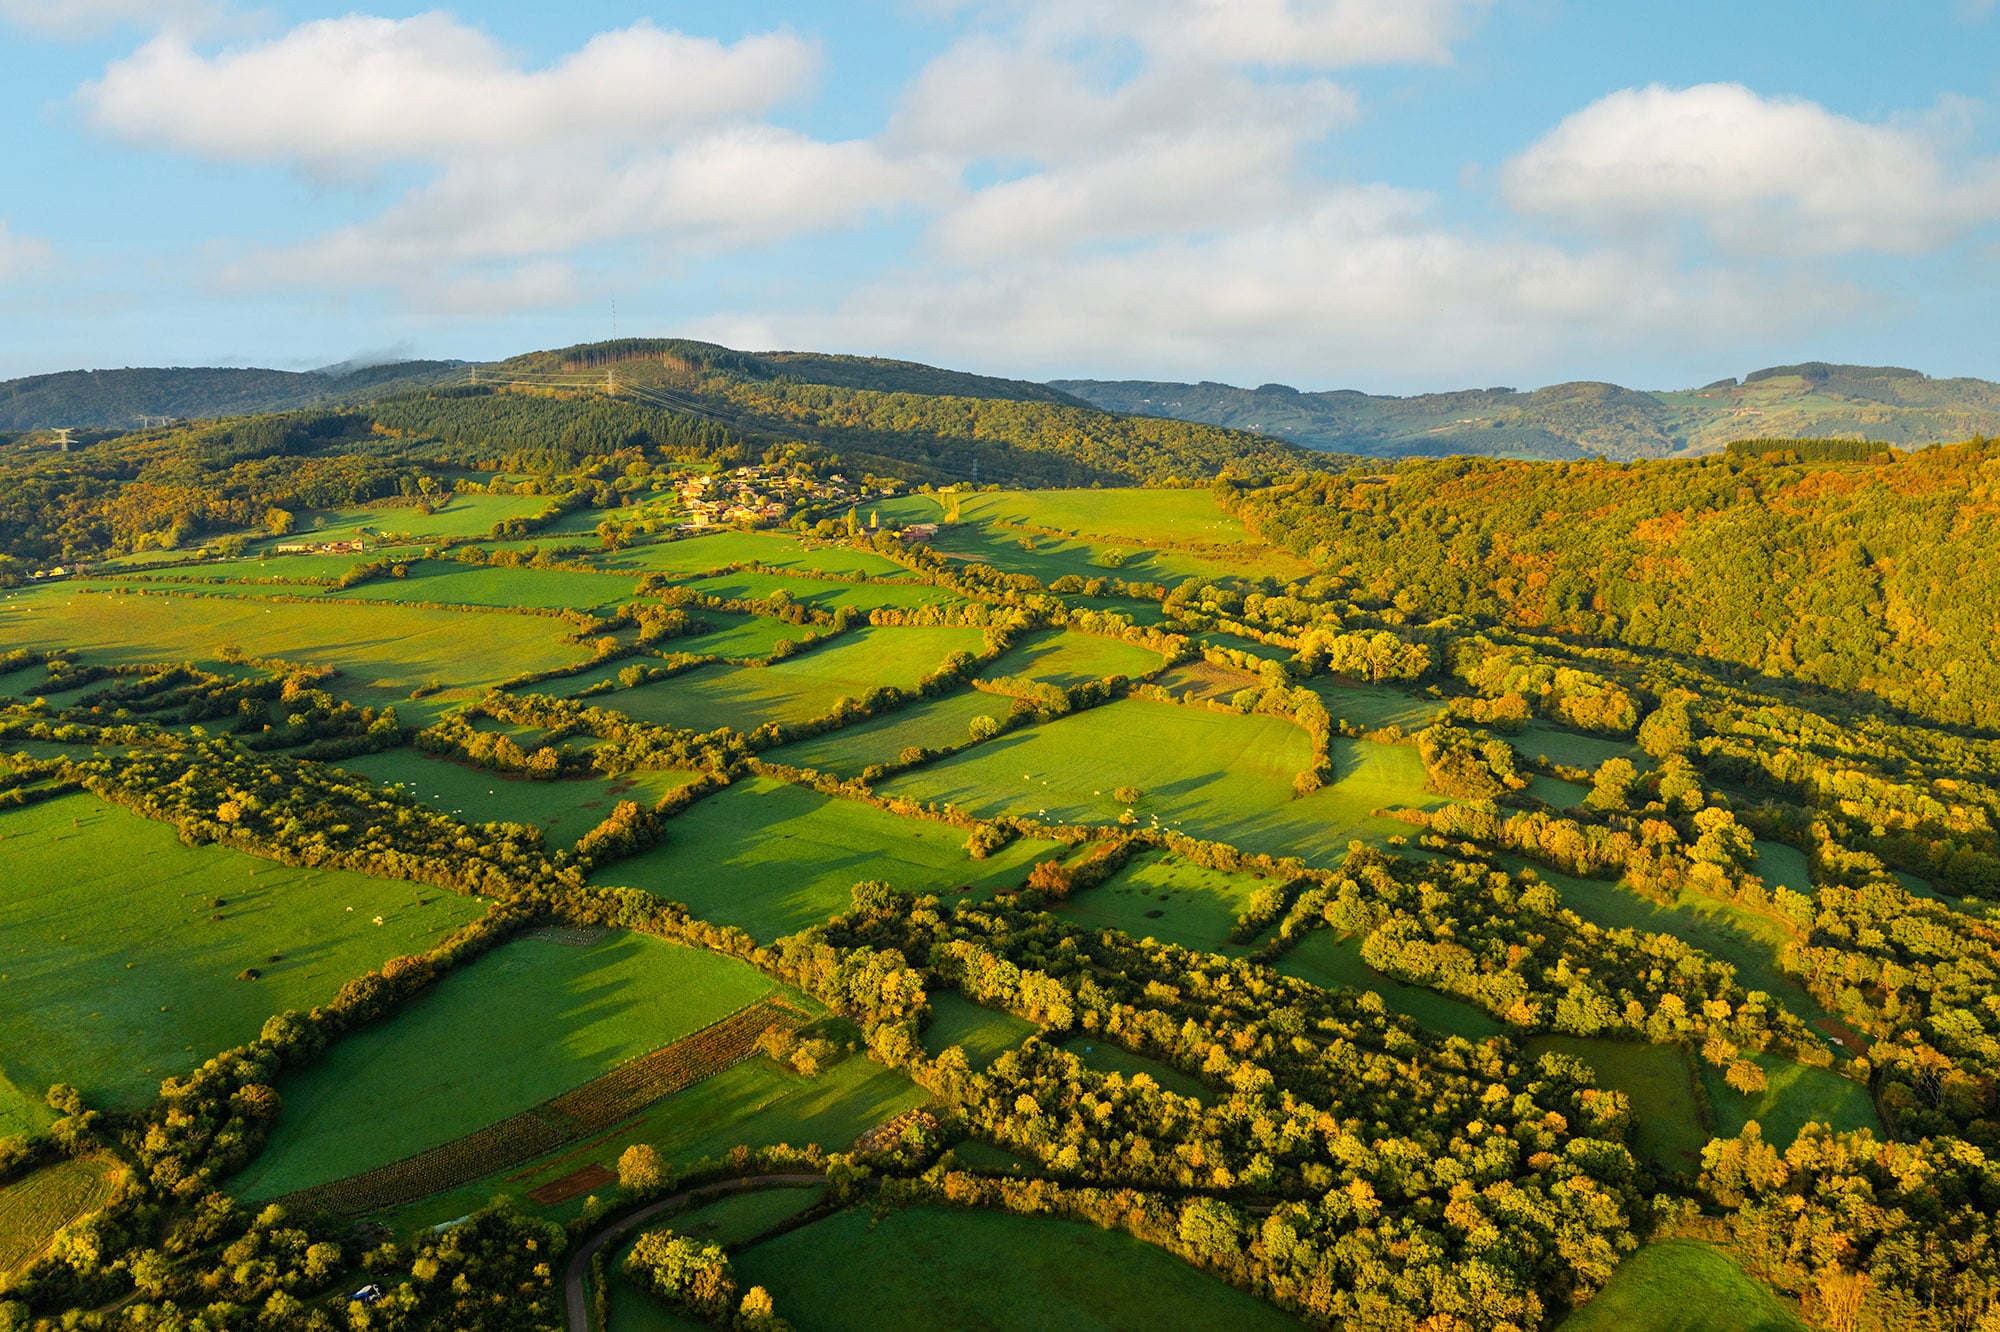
x,y
1876,578
1815,400
121,399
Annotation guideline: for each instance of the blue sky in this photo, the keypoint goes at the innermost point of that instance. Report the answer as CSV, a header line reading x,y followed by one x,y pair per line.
x,y
1395,195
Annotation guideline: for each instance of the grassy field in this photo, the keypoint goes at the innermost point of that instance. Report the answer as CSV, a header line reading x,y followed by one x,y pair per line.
x,y
774,858
466,515
1794,1096
35,1207
1561,794
821,593
564,810
1240,793
1374,706
1067,659
118,978
383,652
1783,865
931,1268
732,1220
1105,1057
983,1033
1660,1084
1331,960
1573,750
1747,940
1134,516
797,688
932,724
717,550
1683,1286
527,1022
450,583
1162,896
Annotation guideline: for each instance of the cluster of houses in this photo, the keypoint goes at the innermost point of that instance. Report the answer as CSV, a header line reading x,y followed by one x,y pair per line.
x,y
351,547
59,571
755,495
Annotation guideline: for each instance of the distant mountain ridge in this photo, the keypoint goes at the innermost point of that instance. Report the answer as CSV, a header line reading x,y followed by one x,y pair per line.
x,y
121,399
1812,400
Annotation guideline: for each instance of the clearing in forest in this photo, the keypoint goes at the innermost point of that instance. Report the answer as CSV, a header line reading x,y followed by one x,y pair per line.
x,y
1332,960
773,858
138,971
797,688
1240,792
983,1033
924,1267
1660,1083
1161,896
36,1206
564,810
1683,1286
525,1023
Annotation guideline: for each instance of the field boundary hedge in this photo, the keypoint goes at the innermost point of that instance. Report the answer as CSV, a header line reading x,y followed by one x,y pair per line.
x,y
596,1105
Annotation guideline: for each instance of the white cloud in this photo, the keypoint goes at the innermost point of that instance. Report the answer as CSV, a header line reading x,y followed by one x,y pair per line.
x,y
357,92
1302,34
22,256
1760,175
1358,286
88,18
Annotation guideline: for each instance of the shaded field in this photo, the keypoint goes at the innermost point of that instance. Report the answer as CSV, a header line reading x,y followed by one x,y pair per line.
x,y
1066,659
1374,706
1683,1286
1241,792
1161,896
983,1033
453,584
117,978
1660,1084
798,688
35,1207
565,810
383,652
1573,750
931,724
1794,1096
523,1024
930,1268
1105,1057
1559,793
1331,960
773,858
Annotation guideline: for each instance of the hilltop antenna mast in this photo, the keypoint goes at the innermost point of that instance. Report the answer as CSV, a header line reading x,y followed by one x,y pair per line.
x,y
614,319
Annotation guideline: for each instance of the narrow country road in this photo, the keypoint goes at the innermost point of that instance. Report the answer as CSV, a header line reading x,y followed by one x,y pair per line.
x,y
579,1264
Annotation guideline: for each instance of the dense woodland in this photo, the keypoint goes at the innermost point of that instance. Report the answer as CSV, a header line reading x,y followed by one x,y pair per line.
x,y
1787,645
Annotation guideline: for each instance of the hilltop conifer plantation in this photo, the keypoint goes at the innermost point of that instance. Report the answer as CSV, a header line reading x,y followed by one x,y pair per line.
x,y
646,835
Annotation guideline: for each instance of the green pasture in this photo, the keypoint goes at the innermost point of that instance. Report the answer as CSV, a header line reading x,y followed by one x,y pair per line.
x,y
1683,1286
976,1155
116,978
1559,793
1658,1081
1158,895
929,1268
1539,740
1793,1097
1135,609
1104,1057
983,1033
1372,707
822,593
773,858
1332,961
742,636
1240,792
528,1021
1216,638
1066,659
935,723
304,569
449,583
1748,940
733,1220
565,810
720,549
797,688
382,652
1130,514
1782,865
36,1206
465,516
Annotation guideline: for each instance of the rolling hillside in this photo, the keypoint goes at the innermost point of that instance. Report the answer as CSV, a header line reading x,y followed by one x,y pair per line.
x,y
1815,400
122,399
